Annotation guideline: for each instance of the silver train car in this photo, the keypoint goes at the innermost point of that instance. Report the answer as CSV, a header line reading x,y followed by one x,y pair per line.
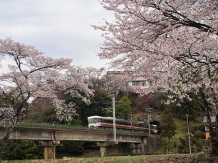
x,y
107,122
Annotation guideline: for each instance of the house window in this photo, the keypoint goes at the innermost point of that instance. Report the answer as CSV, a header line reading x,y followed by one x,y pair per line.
x,y
135,83
144,83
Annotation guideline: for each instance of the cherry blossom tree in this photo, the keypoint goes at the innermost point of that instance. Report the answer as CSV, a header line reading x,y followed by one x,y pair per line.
x,y
93,74
171,43
30,75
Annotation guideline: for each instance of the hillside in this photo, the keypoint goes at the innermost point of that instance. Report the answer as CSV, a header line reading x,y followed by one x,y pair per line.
x,y
37,107
179,142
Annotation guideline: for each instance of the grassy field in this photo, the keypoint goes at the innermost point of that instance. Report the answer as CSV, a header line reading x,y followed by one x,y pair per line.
x,y
169,158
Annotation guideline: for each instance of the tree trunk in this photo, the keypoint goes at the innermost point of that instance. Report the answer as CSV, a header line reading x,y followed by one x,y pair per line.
x,y
165,144
214,147
7,134
214,140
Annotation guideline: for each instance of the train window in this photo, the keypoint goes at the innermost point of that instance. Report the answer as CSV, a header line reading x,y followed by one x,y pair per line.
x,y
93,120
124,123
107,121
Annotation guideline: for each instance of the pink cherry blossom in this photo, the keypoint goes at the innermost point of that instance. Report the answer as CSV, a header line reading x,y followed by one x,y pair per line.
x,y
32,75
171,43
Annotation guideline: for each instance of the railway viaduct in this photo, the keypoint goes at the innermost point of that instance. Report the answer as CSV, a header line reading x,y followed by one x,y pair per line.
x,y
50,137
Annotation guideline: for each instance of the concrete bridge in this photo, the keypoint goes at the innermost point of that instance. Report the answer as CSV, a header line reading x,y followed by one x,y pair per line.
x,y
50,137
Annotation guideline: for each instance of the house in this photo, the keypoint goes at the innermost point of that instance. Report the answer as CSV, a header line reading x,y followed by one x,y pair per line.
x,y
136,85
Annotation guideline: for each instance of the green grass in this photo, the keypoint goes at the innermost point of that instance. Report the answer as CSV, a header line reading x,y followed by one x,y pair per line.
x,y
181,132
181,129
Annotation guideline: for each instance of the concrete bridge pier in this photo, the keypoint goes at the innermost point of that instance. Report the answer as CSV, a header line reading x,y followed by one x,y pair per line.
x,y
144,143
49,148
136,148
103,148
49,152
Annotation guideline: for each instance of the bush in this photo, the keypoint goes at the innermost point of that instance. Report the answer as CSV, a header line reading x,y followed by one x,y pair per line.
x,y
21,150
175,144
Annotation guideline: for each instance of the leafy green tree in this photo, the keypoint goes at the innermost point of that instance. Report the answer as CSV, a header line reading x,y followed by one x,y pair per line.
x,y
192,107
76,122
21,150
48,115
123,108
99,101
167,126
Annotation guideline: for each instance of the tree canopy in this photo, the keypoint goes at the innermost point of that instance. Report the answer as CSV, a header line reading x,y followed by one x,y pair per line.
x,y
158,39
171,43
123,108
21,150
31,75
167,126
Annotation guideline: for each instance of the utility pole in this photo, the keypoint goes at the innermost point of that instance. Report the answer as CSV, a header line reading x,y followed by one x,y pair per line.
x,y
148,110
114,119
189,143
131,117
149,127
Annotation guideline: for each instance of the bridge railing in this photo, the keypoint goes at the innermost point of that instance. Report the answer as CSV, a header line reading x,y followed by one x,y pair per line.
x,y
68,127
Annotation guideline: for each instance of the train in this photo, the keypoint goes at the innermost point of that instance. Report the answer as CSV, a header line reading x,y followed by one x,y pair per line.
x,y
107,122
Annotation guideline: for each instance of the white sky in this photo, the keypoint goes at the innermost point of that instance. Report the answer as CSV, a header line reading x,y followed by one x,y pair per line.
x,y
59,28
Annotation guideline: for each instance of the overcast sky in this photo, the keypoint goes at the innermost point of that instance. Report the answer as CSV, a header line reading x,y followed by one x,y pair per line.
x,y
59,28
